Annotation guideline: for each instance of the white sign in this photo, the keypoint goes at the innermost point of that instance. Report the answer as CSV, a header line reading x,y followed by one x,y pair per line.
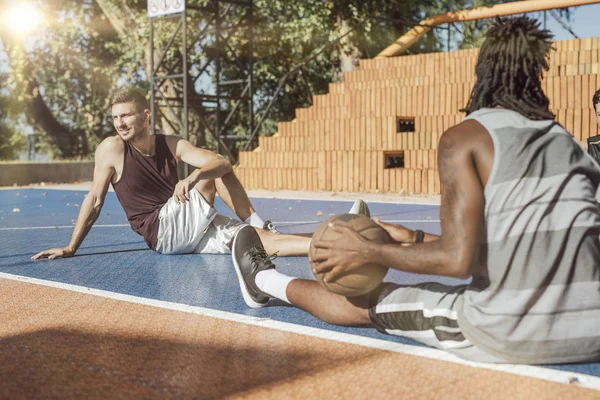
x,y
157,8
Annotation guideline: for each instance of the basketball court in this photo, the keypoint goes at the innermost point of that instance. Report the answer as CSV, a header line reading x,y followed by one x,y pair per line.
x,y
121,321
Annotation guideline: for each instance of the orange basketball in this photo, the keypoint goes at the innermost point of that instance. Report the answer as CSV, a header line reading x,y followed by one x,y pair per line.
x,y
361,280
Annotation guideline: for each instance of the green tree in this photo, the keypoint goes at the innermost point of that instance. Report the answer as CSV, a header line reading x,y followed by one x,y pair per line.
x,y
62,80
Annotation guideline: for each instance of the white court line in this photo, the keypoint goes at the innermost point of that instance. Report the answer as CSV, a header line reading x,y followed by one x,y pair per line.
x,y
319,196
587,381
404,221
392,221
29,228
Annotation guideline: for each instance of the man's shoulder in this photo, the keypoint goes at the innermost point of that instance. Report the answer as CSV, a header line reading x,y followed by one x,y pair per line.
x,y
111,143
110,148
466,132
467,139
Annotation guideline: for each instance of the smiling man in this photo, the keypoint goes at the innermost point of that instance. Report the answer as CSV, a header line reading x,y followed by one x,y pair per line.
x,y
173,216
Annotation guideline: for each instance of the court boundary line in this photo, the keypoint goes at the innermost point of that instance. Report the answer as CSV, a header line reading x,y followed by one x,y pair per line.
x,y
31,228
547,374
280,196
280,223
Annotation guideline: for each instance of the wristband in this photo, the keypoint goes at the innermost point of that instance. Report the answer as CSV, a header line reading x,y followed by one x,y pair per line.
x,y
419,236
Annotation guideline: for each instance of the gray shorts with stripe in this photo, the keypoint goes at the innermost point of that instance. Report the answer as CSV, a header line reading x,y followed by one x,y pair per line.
x,y
426,313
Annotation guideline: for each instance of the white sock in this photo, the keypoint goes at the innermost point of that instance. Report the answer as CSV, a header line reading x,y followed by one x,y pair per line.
x,y
273,283
255,221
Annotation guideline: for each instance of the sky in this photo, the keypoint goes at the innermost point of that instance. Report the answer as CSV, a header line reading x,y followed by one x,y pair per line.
x,y
584,21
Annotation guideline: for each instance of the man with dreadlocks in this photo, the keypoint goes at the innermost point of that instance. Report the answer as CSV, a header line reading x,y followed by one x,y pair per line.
x,y
593,143
518,216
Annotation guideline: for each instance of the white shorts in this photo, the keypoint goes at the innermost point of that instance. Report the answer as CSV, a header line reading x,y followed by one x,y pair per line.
x,y
194,227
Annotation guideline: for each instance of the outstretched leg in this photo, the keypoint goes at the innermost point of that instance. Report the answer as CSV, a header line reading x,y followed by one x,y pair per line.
x,y
329,307
259,280
284,245
426,312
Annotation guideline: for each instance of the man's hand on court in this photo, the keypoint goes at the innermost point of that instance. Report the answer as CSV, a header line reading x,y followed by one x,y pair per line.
x,y
337,257
399,233
51,254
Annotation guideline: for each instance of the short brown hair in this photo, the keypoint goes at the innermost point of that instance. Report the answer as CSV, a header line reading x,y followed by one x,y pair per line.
x,y
130,95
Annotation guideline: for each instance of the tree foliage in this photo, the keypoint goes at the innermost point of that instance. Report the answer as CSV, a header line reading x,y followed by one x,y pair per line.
x,y
61,78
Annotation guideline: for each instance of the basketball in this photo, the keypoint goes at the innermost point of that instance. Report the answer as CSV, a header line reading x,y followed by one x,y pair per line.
x,y
361,280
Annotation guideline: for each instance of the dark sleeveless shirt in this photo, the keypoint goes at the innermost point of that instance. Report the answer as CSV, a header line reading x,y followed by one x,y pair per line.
x,y
147,182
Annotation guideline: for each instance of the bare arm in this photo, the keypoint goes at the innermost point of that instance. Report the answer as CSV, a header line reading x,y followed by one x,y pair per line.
x,y
91,205
208,165
402,234
451,254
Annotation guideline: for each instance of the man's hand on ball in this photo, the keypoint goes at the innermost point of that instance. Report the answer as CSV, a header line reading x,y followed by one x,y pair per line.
x,y
337,257
398,233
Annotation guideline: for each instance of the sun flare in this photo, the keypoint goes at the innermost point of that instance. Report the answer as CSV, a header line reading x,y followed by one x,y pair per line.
x,y
23,18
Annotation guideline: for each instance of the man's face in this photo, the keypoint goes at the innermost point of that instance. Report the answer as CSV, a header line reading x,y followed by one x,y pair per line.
x,y
597,111
128,122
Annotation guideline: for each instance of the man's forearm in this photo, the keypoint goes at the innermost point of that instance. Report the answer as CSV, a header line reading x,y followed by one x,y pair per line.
x,y
213,170
88,214
427,258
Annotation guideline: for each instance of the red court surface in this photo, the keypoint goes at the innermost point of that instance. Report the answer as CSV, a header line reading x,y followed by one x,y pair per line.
x,y
64,344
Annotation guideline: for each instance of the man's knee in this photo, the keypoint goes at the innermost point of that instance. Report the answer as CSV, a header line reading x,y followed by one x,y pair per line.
x,y
207,188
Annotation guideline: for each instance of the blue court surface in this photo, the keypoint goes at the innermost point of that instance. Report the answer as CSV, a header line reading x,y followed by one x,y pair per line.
x,y
113,258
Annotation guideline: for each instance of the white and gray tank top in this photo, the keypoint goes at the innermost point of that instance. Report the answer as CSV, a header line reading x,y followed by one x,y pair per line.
x,y
535,294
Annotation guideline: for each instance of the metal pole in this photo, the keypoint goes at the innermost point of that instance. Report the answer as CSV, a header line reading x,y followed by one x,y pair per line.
x,y
152,83
218,68
563,24
186,169
251,66
185,78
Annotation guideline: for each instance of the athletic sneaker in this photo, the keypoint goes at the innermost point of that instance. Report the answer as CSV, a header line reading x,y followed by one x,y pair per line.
x,y
361,208
249,257
268,226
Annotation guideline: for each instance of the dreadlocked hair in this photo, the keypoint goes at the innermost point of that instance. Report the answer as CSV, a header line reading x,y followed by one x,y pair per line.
x,y
510,66
596,98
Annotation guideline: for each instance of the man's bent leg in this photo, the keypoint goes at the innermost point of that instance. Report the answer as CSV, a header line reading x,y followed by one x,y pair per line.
x,y
232,192
208,190
182,226
284,245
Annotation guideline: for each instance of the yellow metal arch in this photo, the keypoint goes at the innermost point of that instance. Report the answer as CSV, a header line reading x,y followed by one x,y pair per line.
x,y
517,7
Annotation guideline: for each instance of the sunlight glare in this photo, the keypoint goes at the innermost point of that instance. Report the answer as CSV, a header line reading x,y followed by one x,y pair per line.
x,y
23,18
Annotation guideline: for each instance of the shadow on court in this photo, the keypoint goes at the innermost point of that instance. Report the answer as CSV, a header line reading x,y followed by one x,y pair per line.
x,y
73,364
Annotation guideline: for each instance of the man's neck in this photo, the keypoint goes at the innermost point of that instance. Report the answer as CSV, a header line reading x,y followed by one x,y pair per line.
x,y
144,144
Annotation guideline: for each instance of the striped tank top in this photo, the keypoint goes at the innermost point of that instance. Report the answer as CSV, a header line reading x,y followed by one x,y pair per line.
x,y
535,293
